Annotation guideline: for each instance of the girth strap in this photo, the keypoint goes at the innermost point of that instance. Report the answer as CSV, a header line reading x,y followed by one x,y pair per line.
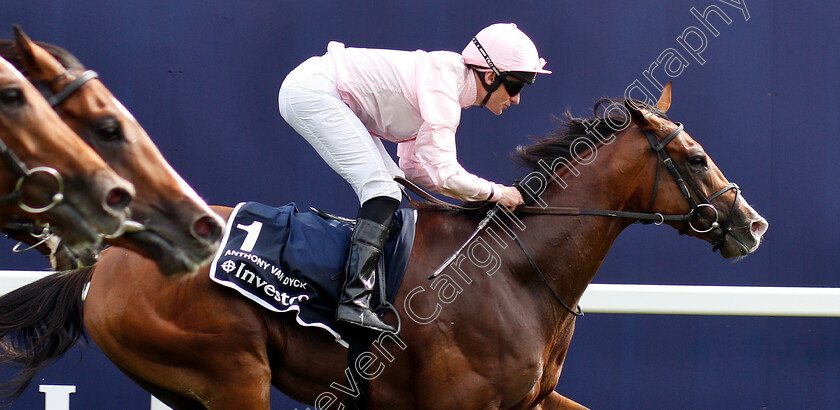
x,y
360,342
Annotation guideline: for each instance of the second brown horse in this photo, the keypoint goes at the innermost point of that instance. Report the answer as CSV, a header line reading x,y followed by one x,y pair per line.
x,y
172,224
47,174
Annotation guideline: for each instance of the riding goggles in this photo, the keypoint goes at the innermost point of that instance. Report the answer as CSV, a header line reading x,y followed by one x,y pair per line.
x,y
513,87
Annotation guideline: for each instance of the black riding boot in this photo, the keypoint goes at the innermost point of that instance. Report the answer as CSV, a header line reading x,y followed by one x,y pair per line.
x,y
366,245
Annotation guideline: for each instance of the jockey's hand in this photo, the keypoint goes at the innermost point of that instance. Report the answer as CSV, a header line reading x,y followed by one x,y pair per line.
x,y
511,197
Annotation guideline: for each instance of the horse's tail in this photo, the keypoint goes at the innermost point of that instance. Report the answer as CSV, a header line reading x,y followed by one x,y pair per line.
x,y
40,322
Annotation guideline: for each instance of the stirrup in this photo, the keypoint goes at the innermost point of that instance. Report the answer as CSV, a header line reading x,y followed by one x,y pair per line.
x,y
363,317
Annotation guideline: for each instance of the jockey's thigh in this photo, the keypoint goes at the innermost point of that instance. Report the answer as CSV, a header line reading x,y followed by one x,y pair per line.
x,y
309,101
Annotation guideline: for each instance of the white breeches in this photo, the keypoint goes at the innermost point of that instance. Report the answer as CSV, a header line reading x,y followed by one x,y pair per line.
x,y
310,103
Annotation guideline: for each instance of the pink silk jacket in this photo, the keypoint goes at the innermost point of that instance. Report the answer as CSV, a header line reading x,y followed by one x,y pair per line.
x,y
414,98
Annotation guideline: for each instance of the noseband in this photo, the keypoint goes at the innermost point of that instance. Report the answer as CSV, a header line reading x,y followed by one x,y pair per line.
x,y
23,172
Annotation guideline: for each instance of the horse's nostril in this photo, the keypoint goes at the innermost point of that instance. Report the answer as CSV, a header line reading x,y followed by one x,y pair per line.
x,y
117,199
207,228
758,227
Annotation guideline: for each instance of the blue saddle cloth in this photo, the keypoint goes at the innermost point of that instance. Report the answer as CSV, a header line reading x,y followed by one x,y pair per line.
x,y
287,260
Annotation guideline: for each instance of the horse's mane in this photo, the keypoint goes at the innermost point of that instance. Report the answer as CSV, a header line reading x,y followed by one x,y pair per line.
x,y
559,143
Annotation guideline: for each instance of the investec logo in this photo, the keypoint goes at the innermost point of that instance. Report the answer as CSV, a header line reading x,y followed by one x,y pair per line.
x,y
57,397
266,266
284,298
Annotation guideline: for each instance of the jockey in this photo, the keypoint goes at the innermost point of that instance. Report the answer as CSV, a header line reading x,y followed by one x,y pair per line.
x,y
348,100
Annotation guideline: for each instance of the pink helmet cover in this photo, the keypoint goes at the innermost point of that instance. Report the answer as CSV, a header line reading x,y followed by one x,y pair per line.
x,y
508,47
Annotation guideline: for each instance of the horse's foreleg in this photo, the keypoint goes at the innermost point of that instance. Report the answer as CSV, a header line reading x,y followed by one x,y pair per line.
x,y
555,401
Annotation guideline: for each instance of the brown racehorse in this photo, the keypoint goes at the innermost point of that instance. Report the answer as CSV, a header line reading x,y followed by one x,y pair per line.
x,y
177,228
487,333
48,174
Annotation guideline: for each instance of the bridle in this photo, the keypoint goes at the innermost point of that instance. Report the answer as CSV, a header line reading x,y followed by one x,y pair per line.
x,y
681,179
657,218
23,172
683,182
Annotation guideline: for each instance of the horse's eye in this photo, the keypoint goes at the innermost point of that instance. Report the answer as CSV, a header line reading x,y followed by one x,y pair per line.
x,y
11,96
698,161
109,130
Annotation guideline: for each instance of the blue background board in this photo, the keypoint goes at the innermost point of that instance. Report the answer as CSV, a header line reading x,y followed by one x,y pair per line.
x,y
202,77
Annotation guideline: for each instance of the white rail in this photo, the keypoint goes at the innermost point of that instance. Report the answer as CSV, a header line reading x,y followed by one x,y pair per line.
x,y
712,300
13,279
654,299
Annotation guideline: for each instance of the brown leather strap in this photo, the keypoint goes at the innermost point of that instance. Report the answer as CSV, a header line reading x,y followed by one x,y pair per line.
x,y
552,210
427,196
654,217
549,210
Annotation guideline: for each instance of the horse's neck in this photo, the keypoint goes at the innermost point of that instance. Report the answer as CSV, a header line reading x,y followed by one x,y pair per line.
x,y
570,249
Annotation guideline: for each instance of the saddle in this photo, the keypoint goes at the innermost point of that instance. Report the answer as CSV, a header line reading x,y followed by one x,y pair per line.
x,y
287,260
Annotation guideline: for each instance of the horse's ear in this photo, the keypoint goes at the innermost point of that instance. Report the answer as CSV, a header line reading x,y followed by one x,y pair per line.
x,y
22,43
665,99
645,119
36,61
